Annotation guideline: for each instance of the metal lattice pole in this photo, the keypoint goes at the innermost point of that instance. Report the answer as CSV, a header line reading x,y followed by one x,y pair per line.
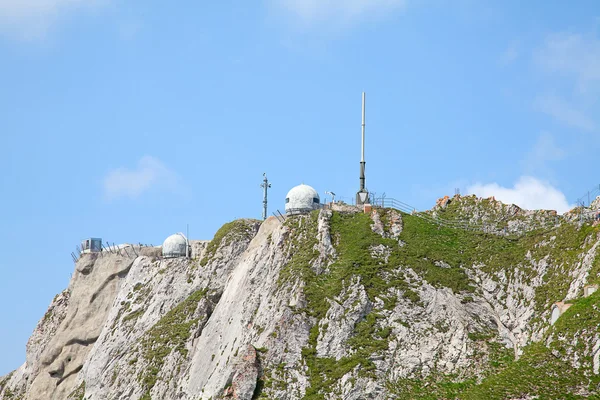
x,y
265,185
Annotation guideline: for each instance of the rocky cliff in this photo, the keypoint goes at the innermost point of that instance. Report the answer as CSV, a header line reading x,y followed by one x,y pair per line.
x,y
331,305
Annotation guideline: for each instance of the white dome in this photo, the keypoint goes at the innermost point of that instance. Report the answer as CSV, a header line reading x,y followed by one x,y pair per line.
x,y
174,246
301,199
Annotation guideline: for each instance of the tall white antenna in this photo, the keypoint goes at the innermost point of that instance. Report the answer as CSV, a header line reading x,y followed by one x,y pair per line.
x,y
362,197
362,152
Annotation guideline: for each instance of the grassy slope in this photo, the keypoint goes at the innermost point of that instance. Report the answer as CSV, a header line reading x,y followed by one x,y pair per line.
x,y
425,244
239,229
547,371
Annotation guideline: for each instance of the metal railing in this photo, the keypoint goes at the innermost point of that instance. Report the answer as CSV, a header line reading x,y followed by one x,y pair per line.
x,y
493,227
388,202
590,196
125,250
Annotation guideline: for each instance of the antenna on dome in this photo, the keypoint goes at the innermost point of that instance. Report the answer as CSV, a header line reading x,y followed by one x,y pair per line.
x,y
362,197
265,185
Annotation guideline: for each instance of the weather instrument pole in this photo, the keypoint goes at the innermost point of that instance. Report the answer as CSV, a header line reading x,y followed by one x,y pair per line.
x,y
332,196
265,185
362,196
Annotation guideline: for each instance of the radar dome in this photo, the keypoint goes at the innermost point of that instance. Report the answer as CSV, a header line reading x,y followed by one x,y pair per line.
x,y
174,246
302,199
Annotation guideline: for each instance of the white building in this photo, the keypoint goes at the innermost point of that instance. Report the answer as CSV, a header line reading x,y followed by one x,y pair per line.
x,y
175,246
91,245
302,199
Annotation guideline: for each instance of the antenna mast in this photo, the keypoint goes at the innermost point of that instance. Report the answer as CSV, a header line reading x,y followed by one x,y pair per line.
x,y
362,147
265,185
362,197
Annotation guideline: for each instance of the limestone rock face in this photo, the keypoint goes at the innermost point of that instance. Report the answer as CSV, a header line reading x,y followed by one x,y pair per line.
x,y
95,284
338,325
47,327
334,305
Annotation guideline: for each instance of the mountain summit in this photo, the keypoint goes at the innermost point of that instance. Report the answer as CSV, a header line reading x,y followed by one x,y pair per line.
x,y
471,300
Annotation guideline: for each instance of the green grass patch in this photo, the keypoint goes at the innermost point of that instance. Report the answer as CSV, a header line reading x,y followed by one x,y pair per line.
x,y
169,334
134,315
537,373
354,239
430,389
547,372
241,229
78,393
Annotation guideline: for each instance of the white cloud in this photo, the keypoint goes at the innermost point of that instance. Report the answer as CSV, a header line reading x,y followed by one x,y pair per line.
x,y
150,174
528,193
573,55
563,112
32,18
314,11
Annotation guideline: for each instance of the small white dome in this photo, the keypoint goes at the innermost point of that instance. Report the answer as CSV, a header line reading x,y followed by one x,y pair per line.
x,y
174,246
301,199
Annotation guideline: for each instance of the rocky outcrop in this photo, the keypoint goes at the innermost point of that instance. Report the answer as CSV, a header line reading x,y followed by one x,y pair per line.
x,y
492,216
245,377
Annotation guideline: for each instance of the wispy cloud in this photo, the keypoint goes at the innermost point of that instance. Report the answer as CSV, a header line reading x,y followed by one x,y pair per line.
x,y
150,174
564,112
32,18
528,192
573,55
336,11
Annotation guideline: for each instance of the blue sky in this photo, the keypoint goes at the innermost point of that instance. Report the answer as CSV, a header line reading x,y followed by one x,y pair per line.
x,y
127,120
